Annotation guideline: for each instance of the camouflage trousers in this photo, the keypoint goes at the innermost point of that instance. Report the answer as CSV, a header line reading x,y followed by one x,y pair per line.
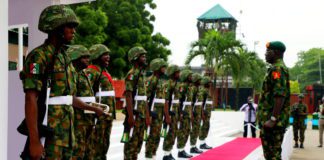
x,y
204,128
184,131
271,142
55,152
133,147
82,137
100,139
299,127
194,133
169,140
153,140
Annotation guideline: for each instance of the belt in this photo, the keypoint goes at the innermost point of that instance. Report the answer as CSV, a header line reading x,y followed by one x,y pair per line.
x,y
87,99
157,100
209,102
60,100
140,98
187,103
198,103
176,101
106,94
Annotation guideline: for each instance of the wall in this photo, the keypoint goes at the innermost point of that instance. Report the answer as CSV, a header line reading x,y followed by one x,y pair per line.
x,y
233,119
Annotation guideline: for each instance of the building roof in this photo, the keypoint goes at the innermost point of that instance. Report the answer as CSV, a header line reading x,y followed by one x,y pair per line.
x,y
216,13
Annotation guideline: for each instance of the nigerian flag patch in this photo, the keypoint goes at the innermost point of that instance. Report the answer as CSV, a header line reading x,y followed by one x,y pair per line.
x,y
34,68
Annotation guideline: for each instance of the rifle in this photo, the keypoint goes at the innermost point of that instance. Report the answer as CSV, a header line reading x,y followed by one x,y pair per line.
x,y
128,131
166,127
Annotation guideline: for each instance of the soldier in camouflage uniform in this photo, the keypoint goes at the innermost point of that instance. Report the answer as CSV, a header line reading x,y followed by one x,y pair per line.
x,y
80,57
101,82
186,112
172,96
207,102
197,113
48,66
137,113
157,100
299,113
273,114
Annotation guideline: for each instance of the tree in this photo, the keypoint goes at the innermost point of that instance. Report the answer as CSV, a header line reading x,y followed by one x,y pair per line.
x,y
294,87
130,24
307,69
215,48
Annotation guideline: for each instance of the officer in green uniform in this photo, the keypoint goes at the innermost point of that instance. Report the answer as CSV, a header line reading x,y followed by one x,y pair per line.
x,y
137,113
80,57
101,82
273,114
197,113
299,113
47,70
156,103
207,102
186,112
172,95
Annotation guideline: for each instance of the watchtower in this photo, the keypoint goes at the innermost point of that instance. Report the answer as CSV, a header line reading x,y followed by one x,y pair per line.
x,y
216,18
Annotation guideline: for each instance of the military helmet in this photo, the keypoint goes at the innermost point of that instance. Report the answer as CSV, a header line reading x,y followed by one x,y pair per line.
x,y
185,74
205,80
55,16
301,95
98,50
157,63
77,51
196,77
172,69
135,52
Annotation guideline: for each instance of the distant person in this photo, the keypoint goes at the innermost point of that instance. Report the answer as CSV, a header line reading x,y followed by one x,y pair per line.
x,y
321,123
299,113
273,109
250,116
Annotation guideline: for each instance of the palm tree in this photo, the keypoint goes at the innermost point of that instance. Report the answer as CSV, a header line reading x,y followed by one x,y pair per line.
x,y
215,47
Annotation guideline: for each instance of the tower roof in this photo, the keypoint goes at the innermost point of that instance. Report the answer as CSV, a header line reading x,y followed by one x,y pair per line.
x,y
216,13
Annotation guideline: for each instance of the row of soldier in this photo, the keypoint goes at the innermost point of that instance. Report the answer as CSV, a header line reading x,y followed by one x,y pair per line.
x,y
77,99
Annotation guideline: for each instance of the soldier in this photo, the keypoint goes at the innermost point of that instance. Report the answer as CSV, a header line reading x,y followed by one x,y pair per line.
x,y
101,82
136,103
80,57
172,96
186,112
299,113
273,114
156,101
47,70
207,102
197,113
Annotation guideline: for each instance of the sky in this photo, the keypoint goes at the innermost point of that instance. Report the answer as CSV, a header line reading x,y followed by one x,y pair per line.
x,y
297,23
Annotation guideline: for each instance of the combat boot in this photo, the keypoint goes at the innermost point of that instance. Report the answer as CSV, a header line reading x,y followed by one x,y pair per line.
x,y
205,146
296,145
184,154
168,157
301,145
195,150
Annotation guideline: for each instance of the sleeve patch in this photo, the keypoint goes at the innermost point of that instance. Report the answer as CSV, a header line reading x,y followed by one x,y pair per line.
x,y
130,77
34,68
276,75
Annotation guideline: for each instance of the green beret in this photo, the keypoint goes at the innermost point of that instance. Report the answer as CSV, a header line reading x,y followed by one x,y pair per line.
x,y
276,45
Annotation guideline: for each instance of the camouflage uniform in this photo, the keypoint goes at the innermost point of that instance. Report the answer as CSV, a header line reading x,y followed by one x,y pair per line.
x,y
133,147
174,86
197,111
49,63
185,123
100,78
276,83
155,83
204,92
83,122
299,121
